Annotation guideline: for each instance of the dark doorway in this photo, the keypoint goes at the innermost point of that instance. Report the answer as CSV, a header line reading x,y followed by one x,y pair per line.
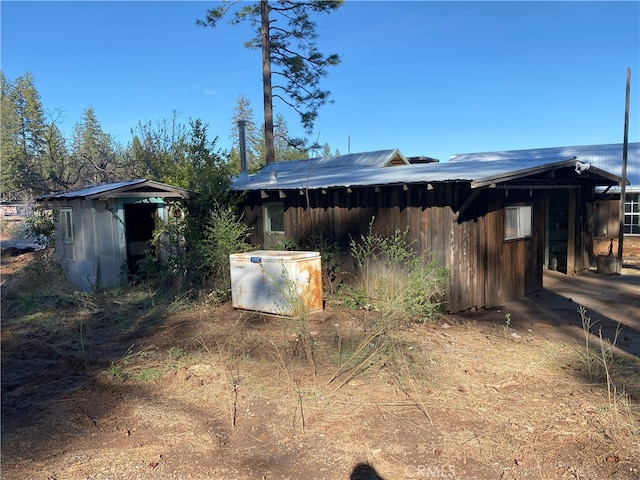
x,y
557,230
139,222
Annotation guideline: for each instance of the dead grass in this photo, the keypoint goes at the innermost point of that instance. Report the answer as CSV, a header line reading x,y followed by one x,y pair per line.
x,y
235,397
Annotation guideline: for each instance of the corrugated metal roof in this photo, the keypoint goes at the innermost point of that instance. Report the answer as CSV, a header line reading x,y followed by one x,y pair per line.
x,y
301,173
605,157
306,175
105,188
377,159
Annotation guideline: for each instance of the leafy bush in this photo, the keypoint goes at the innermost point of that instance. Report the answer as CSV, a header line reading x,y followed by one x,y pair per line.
x,y
394,278
328,253
194,254
287,244
41,226
426,287
172,263
44,274
224,234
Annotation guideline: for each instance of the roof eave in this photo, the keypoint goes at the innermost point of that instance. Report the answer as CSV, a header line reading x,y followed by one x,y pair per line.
x,y
166,191
515,175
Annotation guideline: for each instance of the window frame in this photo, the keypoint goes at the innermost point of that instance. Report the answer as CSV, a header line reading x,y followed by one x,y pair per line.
x,y
271,239
268,217
66,225
519,231
631,201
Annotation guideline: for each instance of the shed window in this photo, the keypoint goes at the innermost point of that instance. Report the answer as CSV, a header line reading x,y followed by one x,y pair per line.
x,y
273,225
518,222
66,225
274,218
632,214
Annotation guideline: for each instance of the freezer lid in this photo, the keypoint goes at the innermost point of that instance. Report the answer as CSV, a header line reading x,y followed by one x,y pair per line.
x,y
258,256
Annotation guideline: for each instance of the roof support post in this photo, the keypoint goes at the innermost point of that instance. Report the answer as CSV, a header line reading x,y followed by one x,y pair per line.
x,y
466,204
623,181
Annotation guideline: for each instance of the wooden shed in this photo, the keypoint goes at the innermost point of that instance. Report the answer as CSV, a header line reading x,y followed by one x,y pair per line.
x,y
607,205
495,225
103,231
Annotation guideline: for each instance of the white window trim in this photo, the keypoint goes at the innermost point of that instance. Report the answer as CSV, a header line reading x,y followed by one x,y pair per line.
x,y
518,222
632,199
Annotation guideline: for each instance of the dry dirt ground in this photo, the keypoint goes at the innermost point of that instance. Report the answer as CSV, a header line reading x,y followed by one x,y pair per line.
x,y
125,385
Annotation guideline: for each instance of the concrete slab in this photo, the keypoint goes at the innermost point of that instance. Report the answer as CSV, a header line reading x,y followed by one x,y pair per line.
x,y
553,312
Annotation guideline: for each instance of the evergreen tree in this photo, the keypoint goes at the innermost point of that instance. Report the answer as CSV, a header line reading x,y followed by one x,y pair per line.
x,y
254,140
326,150
23,138
285,147
64,173
288,50
208,170
8,134
94,150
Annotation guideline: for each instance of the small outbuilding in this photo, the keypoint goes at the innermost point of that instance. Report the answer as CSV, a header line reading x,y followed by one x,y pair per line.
x,y
103,231
495,225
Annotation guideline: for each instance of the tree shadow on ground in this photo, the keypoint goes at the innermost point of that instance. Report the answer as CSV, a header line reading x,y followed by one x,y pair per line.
x,y
54,346
578,310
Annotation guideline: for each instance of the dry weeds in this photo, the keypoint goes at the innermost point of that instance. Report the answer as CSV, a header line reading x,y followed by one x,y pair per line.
x,y
212,393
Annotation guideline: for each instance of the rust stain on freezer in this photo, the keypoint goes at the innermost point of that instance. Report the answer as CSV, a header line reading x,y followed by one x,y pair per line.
x,y
312,295
260,281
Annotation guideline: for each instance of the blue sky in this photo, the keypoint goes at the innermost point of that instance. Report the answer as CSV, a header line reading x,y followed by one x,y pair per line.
x,y
430,78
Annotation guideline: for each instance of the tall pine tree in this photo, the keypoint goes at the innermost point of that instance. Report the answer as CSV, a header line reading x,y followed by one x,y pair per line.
x,y
289,51
23,139
94,150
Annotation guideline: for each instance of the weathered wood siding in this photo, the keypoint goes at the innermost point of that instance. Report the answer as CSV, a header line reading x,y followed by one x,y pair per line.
x,y
606,215
485,270
584,228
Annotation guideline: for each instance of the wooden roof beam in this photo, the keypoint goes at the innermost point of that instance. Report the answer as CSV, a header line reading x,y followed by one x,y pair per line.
x,y
467,202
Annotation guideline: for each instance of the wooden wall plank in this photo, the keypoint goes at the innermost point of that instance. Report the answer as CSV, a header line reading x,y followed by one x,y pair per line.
x,y
486,271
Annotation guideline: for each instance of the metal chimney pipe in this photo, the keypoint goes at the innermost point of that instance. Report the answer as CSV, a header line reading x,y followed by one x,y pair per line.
x,y
243,145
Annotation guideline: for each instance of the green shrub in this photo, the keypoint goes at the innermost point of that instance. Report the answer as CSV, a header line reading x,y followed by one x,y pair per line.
x,y
328,254
426,286
225,233
41,227
194,253
287,244
394,278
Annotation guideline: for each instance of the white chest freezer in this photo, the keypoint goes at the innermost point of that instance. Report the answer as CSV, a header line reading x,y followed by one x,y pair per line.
x,y
274,281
